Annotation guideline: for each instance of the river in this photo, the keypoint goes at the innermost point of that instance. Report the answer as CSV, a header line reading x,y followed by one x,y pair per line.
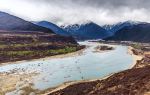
x,y
86,66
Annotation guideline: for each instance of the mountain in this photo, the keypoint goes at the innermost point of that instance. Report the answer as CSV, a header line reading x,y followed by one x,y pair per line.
x,y
53,27
86,31
139,32
10,22
116,27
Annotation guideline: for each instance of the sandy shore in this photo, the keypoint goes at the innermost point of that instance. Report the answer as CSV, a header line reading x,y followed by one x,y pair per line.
x,y
64,85
8,81
135,59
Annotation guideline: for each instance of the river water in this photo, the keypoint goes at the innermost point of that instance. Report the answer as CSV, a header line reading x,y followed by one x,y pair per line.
x,y
88,65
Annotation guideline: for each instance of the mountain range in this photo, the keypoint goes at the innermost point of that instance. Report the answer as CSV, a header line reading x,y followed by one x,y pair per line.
x,y
123,31
86,31
137,32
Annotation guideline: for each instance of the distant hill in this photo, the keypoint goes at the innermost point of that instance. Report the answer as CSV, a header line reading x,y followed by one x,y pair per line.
x,y
10,22
139,32
53,27
86,31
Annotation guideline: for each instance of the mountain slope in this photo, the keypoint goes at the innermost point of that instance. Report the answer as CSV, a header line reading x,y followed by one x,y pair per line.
x,y
87,31
53,27
138,33
10,22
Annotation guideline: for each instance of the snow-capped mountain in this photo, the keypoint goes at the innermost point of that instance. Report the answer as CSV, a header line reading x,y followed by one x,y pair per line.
x,y
53,27
116,27
138,32
86,31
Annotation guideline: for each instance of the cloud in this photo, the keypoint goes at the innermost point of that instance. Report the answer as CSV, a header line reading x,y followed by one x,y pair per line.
x,y
79,11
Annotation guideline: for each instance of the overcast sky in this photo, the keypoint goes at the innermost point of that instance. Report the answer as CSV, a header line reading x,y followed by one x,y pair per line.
x,y
79,11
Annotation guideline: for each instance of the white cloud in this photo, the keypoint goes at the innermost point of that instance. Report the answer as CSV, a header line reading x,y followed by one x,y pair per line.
x,y
70,13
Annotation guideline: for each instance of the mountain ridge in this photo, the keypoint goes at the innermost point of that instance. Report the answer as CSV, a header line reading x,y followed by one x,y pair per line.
x,y
53,27
10,22
138,33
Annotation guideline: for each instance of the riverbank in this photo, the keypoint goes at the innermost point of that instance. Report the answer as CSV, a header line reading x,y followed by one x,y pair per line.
x,y
8,80
71,84
65,85
135,57
71,54
129,82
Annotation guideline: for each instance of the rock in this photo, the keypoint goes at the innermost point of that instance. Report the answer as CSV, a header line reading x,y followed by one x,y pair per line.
x,y
103,48
21,92
32,93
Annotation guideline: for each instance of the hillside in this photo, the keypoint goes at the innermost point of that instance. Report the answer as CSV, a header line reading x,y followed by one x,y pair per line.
x,y
13,23
23,40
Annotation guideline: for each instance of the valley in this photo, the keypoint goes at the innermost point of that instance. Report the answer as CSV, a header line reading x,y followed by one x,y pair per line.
x,y
42,58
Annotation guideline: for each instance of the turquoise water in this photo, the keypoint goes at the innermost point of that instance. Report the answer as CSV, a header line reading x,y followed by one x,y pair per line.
x,y
89,65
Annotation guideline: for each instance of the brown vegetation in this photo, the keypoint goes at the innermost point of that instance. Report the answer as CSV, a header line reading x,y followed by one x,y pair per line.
x,y
16,46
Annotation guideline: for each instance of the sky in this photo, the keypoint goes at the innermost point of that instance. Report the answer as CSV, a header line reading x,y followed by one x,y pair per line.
x,y
63,12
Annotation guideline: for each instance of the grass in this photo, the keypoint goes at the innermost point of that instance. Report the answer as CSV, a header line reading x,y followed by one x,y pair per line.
x,y
137,46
